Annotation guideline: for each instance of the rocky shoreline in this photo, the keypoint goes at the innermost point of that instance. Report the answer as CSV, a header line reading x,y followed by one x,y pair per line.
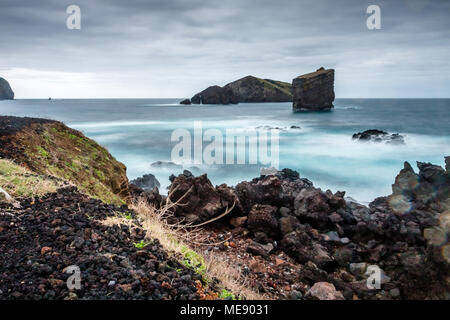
x,y
330,239
286,238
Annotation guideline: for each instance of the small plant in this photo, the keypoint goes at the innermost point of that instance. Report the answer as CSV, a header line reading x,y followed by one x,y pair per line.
x,y
141,244
193,260
127,216
42,151
225,294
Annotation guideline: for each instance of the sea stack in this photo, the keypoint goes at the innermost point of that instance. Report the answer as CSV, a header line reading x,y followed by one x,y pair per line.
x,y
314,91
6,92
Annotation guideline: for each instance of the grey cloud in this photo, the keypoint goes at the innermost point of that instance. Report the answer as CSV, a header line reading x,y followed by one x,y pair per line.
x,y
191,44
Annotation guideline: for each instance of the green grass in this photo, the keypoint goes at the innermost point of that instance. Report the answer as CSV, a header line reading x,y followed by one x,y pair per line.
x,y
42,152
225,294
66,153
21,183
141,244
195,261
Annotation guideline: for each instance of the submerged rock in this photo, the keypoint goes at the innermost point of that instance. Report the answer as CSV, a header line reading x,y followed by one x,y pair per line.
x,y
314,91
376,135
186,101
6,92
166,165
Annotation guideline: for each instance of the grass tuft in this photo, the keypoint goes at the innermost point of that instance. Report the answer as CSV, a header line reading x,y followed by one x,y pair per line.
x,y
19,182
178,239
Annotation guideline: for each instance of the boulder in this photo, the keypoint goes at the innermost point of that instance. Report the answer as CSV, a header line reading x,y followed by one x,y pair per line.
x,y
324,291
263,218
277,190
197,197
303,245
6,92
316,206
146,182
314,91
429,189
259,249
238,222
151,197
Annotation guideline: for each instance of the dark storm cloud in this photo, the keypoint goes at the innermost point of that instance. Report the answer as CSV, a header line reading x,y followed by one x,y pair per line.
x,y
174,48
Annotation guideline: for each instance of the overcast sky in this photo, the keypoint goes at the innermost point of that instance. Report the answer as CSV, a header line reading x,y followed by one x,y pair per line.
x,y
175,48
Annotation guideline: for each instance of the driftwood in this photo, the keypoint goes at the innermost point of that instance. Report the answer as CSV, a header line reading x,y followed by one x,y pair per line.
x,y
8,198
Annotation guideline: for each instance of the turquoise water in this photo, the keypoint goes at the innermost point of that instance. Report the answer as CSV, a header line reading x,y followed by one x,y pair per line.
x,y
138,133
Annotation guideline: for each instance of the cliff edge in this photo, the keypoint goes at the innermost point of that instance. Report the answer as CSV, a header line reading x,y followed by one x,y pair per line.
x,y
49,147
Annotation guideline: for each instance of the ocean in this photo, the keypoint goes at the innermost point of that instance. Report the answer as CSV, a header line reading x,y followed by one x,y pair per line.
x,y
138,133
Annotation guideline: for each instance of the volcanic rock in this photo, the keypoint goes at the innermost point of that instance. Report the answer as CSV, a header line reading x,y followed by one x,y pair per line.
x,y
263,218
215,95
6,92
313,91
247,89
253,89
56,231
430,188
324,291
198,197
146,182
260,249
375,135
186,101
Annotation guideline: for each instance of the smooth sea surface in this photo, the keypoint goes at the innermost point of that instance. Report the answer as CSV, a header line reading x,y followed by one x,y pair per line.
x,y
138,133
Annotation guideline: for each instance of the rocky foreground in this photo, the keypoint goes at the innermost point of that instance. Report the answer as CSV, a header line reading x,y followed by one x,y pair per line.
x,y
47,235
286,238
297,241
50,147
